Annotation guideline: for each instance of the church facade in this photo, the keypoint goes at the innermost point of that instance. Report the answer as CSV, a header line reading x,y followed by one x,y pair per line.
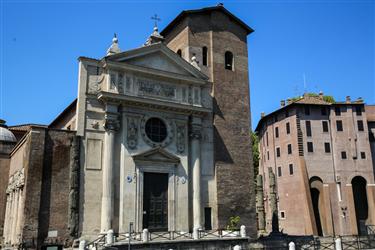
x,y
159,136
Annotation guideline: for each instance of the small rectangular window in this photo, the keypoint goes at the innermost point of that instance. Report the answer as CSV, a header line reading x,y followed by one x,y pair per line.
x,y
308,128
358,110
325,126
339,126
204,56
282,214
289,149
337,111
267,138
279,171
288,128
310,147
307,110
291,170
363,155
343,155
327,147
268,155
360,125
277,132
324,111
278,152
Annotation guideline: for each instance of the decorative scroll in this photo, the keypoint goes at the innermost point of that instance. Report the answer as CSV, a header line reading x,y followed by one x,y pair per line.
x,y
111,122
132,138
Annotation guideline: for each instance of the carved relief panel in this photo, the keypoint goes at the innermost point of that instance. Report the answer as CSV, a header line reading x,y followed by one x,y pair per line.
x,y
132,132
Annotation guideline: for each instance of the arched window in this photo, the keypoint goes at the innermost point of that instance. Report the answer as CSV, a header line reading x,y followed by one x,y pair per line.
x,y
179,52
228,60
204,56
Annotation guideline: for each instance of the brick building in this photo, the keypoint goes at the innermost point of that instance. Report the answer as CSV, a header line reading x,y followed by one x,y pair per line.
x,y
158,138
316,167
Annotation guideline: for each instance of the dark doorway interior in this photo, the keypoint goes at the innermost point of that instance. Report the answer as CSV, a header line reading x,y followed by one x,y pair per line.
x,y
155,202
360,202
207,218
315,201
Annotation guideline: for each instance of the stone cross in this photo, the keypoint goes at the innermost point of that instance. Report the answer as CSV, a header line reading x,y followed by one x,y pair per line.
x,y
156,18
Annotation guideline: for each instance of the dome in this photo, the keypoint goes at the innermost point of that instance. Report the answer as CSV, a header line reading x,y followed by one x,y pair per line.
x,y
6,134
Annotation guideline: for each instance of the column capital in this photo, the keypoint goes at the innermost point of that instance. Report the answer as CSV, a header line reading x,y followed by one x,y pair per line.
x,y
111,122
195,128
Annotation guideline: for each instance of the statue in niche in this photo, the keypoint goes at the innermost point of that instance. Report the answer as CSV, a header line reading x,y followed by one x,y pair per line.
x,y
132,133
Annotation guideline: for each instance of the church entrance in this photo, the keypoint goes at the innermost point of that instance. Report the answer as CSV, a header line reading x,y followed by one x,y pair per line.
x,y
155,202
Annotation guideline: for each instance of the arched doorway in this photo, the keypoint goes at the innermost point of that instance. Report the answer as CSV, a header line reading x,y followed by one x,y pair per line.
x,y
316,191
360,203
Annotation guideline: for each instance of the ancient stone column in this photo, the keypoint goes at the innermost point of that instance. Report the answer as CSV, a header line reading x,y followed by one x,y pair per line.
x,y
273,201
260,204
14,221
7,218
21,205
111,126
195,135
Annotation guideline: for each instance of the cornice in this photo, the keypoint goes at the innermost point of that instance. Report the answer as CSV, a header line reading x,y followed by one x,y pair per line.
x,y
152,103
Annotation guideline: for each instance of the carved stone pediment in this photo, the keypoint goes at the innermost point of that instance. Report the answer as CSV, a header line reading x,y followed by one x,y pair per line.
x,y
158,57
156,155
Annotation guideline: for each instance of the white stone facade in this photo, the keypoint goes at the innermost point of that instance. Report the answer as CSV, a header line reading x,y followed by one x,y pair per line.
x,y
116,97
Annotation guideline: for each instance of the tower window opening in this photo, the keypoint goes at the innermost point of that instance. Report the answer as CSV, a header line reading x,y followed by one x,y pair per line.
x,y
228,60
179,52
204,56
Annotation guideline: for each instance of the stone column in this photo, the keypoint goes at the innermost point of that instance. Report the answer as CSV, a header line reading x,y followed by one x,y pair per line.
x,y
15,216
111,126
273,201
195,135
6,219
260,204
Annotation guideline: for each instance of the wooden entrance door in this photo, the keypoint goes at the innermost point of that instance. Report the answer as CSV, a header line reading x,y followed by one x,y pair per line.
x,y
155,202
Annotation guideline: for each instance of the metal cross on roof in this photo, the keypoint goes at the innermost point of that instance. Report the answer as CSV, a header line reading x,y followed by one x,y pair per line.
x,y
156,18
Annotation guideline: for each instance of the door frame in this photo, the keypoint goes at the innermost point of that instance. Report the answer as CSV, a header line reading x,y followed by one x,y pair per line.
x,y
163,168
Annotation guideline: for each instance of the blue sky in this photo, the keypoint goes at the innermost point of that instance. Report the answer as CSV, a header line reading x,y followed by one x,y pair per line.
x,y
330,42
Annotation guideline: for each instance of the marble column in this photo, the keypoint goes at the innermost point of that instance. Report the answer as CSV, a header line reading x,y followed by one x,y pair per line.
x,y
195,135
111,126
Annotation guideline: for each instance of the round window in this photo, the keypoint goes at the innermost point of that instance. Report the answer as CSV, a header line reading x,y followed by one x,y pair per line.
x,y
156,130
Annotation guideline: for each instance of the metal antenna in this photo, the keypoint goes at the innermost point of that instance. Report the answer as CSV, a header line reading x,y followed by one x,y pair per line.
x,y
157,19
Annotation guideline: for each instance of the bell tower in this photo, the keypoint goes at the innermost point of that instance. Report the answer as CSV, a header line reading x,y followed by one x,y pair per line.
x,y
218,40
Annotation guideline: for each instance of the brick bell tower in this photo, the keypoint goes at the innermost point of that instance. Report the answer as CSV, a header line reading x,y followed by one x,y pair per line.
x,y
218,40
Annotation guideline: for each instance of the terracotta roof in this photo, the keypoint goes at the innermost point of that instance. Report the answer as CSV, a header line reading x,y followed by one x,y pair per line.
x,y
25,127
219,7
71,108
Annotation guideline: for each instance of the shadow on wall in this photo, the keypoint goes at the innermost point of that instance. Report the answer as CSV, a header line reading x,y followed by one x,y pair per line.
x,y
221,151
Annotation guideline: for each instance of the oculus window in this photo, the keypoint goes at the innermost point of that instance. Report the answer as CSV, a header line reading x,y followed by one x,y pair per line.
x,y
156,130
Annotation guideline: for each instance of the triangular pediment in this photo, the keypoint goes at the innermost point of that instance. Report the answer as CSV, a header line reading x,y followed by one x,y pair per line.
x,y
156,155
158,57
